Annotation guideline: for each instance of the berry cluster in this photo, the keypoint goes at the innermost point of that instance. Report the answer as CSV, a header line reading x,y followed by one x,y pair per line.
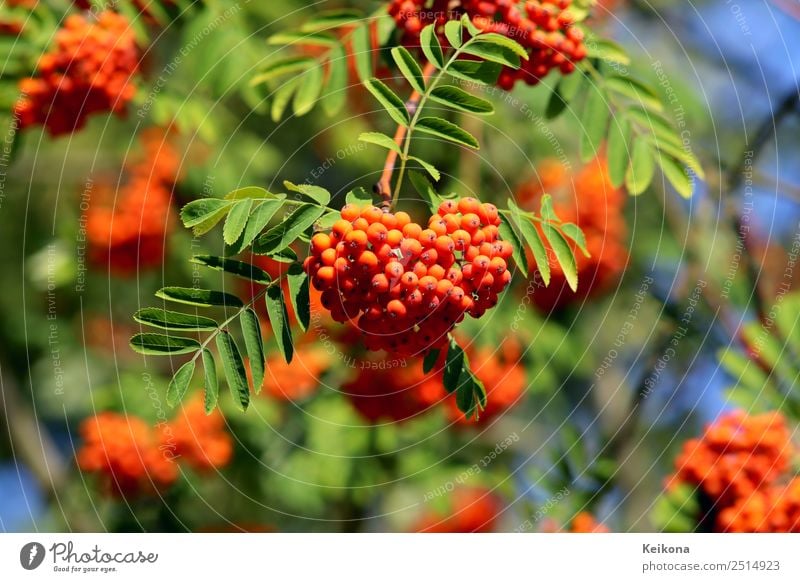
x,y
298,380
88,71
128,231
588,199
408,286
472,510
544,27
142,6
739,465
125,451
133,460
200,439
392,391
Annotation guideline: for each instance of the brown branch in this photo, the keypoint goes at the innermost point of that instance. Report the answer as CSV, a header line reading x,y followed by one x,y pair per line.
x,y
384,185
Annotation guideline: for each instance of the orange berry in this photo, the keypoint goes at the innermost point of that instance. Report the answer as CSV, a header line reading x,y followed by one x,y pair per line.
x,y
470,222
394,237
410,248
428,237
436,271
438,226
448,207
328,256
394,270
367,261
356,239
377,233
361,223
396,308
340,229
350,212
412,230
372,214
468,205
389,220
320,242
380,283
402,219
445,244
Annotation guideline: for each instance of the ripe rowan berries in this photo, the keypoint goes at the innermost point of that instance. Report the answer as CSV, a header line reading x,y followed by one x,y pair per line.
x,y
89,70
543,27
404,285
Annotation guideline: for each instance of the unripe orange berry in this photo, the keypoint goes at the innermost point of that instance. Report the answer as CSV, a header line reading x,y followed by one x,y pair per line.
x,y
402,219
326,275
436,271
372,214
444,288
396,308
481,263
328,257
452,222
470,222
320,242
478,237
420,270
497,266
380,283
409,280
377,234
448,207
410,248
412,230
428,237
468,205
350,212
429,257
394,237
340,229
461,238
445,244
389,220
361,223
428,283
438,226
394,270
356,240
367,261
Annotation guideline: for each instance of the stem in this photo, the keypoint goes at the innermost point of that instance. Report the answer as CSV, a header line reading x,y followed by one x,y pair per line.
x,y
384,186
239,311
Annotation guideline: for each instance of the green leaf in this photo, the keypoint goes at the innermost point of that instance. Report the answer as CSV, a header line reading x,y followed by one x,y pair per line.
x,y
656,123
212,382
635,90
286,255
680,154
257,222
250,192
452,31
446,130
505,42
282,235
574,232
643,166
618,150
236,220
279,320
318,194
198,297
430,168
607,50
335,94
563,254
362,51
507,233
254,345
677,175
455,361
483,72
308,91
533,240
546,209
431,47
426,190
393,105
299,294
430,360
492,52
234,267
468,24
282,97
233,366
595,122
204,213
180,383
358,196
409,67
173,320
459,99
156,344
330,19
380,139
295,38
282,66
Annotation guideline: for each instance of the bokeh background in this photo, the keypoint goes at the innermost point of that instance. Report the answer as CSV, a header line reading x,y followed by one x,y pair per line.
x,y
685,313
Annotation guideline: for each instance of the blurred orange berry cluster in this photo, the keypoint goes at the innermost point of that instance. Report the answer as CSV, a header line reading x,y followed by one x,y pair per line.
x,y
588,199
89,70
396,390
298,380
128,231
472,510
132,459
741,465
